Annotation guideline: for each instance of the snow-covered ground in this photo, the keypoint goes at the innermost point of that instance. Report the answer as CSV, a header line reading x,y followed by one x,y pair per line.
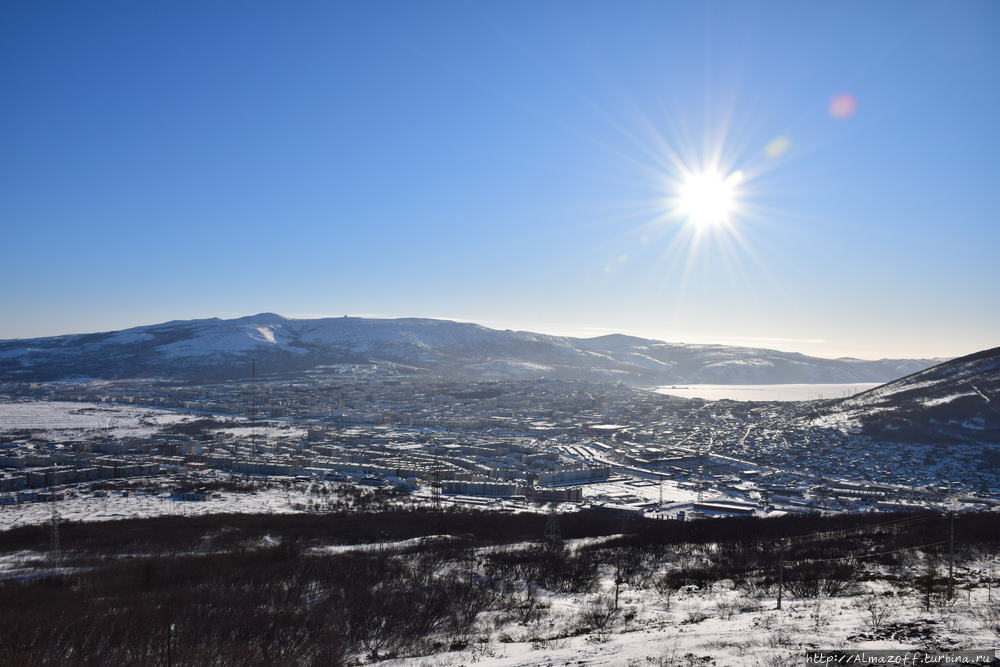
x,y
720,625
142,505
58,420
724,626
395,545
640,491
65,419
275,430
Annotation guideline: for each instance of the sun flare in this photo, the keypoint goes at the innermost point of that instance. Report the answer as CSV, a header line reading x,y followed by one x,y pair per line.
x,y
708,197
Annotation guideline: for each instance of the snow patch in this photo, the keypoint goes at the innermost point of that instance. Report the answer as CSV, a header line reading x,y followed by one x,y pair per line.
x,y
931,402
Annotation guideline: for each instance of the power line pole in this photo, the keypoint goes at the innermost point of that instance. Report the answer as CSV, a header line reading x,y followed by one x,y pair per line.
x,y
552,533
56,555
472,562
951,554
170,641
618,577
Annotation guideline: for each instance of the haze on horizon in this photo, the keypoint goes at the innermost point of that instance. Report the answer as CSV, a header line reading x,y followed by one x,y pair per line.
x,y
809,177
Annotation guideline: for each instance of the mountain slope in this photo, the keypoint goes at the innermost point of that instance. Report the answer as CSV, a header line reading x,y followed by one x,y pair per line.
x,y
956,399
214,348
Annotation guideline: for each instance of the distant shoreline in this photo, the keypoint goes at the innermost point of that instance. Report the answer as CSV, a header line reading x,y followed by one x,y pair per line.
x,y
765,392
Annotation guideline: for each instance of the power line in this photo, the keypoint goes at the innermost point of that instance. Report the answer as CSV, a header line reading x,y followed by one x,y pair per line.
x,y
874,555
750,573
894,524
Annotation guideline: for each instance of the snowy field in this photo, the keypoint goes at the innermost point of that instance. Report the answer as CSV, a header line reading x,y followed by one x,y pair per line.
x,y
766,392
65,419
142,505
58,420
640,491
275,430
726,626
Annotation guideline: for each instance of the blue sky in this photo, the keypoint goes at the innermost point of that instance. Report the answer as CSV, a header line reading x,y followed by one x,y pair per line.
x,y
507,163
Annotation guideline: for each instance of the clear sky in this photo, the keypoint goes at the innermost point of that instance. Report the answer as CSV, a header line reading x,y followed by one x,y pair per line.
x,y
511,163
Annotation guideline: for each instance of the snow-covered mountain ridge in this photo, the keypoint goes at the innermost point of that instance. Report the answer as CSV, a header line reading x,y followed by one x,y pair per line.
x,y
213,348
956,399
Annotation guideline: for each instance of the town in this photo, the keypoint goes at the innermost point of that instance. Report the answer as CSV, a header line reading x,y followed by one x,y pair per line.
x,y
508,445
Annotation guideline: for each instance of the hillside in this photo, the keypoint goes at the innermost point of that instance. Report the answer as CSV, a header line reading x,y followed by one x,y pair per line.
x,y
958,399
457,588
216,348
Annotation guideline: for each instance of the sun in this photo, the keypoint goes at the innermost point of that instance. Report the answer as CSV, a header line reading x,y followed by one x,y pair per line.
x,y
708,198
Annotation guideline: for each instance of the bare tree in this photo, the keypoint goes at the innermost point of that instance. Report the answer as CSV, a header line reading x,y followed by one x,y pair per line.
x,y
878,610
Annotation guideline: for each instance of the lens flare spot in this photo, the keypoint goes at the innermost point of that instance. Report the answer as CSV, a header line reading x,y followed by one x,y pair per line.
x,y
778,147
843,106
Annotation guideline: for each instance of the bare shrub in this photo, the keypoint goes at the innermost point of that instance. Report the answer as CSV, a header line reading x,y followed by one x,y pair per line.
x,y
749,603
813,579
779,637
725,609
877,609
819,614
694,614
529,608
989,616
782,660
599,613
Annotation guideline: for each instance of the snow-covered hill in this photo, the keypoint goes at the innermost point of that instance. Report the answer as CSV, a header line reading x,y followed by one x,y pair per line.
x,y
214,348
957,399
